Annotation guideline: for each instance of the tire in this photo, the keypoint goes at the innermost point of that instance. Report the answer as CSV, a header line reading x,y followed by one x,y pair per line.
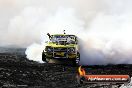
x,y
74,63
43,57
78,58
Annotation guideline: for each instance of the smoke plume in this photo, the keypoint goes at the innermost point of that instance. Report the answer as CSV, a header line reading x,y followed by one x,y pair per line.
x,y
103,27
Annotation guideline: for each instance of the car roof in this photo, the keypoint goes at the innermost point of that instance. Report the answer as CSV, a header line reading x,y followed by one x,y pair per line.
x,y
62,34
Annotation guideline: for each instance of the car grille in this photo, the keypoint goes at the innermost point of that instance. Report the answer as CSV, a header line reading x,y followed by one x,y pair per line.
x,y
60,49
59,52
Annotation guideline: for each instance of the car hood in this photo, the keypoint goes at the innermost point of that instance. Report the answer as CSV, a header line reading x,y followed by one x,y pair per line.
x,y
63,46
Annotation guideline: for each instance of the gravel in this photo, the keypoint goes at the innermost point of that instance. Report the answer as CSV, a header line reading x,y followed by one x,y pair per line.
x,y
16,71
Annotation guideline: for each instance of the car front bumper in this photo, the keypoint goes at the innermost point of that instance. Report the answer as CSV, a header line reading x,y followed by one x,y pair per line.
x,y
61,55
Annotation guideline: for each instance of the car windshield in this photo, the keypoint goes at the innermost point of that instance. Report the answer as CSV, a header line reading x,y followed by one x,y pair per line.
x,y
64,39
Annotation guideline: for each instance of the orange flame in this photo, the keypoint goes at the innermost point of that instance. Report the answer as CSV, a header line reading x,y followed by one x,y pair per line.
x,y
81,71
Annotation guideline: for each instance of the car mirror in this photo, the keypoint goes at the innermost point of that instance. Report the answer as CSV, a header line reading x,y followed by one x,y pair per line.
x,y
46,41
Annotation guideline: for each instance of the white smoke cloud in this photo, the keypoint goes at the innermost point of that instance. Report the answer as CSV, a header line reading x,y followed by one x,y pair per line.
x,y
98,44
22,28
62,19
34,52
103,26
110,40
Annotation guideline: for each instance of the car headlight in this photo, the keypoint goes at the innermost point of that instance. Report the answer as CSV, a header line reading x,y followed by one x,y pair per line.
x,y
71,50
49,49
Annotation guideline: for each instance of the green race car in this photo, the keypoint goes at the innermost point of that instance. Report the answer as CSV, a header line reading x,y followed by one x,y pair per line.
x,y
61,48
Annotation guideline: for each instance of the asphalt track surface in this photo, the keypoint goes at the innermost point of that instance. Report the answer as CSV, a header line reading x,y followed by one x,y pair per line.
x,y
16,71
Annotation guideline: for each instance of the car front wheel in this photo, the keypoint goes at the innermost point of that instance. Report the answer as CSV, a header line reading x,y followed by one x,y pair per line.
x,y
43,57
